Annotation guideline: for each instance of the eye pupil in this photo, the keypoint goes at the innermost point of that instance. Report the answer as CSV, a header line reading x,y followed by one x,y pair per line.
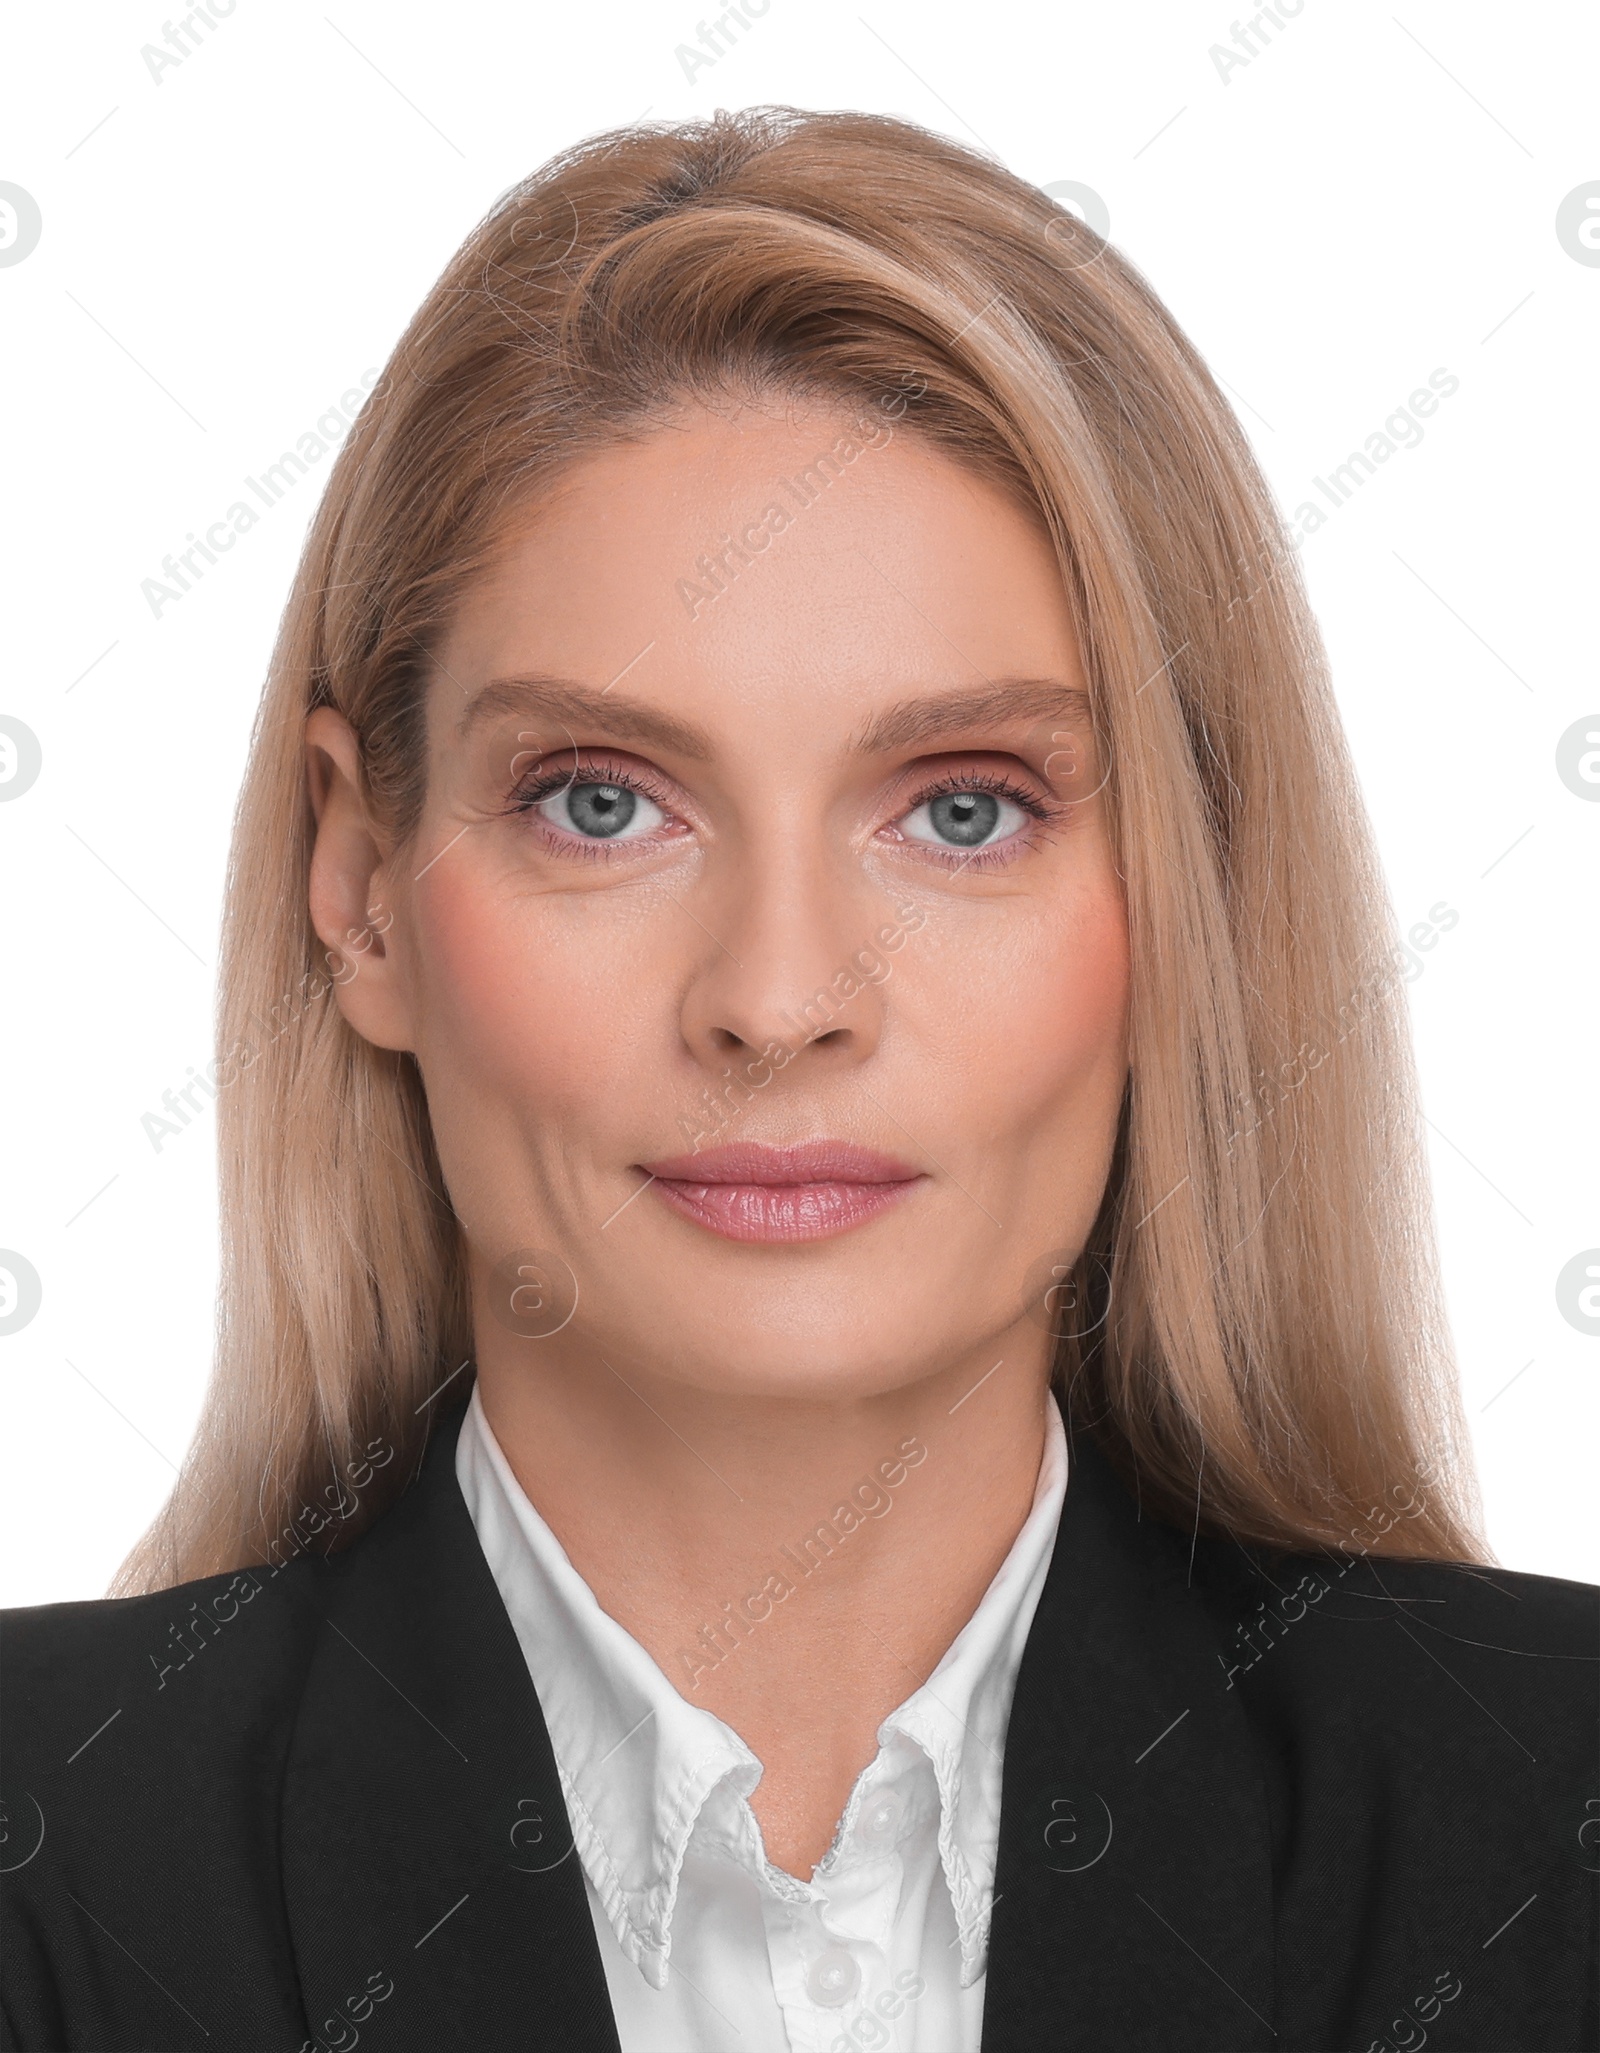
x,y
601,810
965,818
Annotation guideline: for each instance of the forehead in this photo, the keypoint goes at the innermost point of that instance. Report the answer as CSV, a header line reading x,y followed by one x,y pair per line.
x,y
804,571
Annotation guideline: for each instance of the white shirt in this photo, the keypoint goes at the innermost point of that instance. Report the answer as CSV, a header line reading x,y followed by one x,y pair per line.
x,y
707,1947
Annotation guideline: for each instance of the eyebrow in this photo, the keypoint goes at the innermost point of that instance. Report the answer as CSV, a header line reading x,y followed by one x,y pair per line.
x,y
569,703
1002,701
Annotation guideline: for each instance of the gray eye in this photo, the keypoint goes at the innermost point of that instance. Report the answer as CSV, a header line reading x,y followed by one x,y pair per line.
x,y
964,819
602,812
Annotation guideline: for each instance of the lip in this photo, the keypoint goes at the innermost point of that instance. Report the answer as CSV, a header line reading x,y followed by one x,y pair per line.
x,y
753,1192
752,1162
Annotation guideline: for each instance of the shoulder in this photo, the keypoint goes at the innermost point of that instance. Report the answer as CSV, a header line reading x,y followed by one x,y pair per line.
x,y
146,1740
1495,1610
1367,1608
206,1666
1423,1735
1456,1671
204,1657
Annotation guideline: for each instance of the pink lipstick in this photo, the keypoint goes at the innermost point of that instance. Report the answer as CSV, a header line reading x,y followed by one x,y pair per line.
x,y
749,1191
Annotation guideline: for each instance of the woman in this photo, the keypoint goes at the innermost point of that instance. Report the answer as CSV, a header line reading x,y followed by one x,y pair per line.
x,y
833,1428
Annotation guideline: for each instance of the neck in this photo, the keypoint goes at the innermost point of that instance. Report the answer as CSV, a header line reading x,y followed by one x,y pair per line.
x,y
796,1565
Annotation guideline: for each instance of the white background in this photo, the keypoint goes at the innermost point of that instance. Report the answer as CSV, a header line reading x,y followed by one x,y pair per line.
x,y
227,250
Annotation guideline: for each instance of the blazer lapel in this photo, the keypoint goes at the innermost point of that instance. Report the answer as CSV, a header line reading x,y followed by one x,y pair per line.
x,y
1133,1890
434,1894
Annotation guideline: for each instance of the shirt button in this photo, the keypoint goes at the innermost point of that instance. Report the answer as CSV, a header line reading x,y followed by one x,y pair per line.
x,y
880,1815
833,1978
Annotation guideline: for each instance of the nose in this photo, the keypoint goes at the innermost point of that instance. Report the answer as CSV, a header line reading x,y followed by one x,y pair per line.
x,y
788,972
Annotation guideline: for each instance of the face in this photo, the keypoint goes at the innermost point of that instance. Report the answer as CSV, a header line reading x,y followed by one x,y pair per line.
x,y
761,946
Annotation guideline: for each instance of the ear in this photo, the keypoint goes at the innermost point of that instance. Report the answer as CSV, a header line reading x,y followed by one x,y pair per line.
x,y
351,907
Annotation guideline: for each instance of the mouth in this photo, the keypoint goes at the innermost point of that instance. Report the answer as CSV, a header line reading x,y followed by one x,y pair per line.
x,y
759,1193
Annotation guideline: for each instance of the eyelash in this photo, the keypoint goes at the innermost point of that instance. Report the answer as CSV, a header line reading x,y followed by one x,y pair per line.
x,y
591,770
1043,813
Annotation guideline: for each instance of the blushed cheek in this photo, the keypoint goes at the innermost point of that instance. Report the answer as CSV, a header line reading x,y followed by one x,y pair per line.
x,y
1065,1023
528,1003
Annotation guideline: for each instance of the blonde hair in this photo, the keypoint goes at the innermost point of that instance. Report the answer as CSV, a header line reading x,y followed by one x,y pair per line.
x,y
1255,1331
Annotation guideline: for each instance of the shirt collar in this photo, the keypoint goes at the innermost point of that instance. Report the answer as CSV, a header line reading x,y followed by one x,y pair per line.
x,y
638,1762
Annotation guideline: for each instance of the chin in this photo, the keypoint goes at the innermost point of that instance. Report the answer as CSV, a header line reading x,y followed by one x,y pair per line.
x,y
837,1340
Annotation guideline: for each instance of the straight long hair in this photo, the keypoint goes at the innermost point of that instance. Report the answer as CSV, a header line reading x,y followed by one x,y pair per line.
x,y
1254,1330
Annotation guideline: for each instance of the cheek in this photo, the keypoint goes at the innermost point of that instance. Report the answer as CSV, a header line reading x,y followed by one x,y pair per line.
x,y
1083,991
542,998
1053,1029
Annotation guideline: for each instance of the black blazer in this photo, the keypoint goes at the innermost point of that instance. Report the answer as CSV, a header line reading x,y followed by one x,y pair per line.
x,y
1250,1801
